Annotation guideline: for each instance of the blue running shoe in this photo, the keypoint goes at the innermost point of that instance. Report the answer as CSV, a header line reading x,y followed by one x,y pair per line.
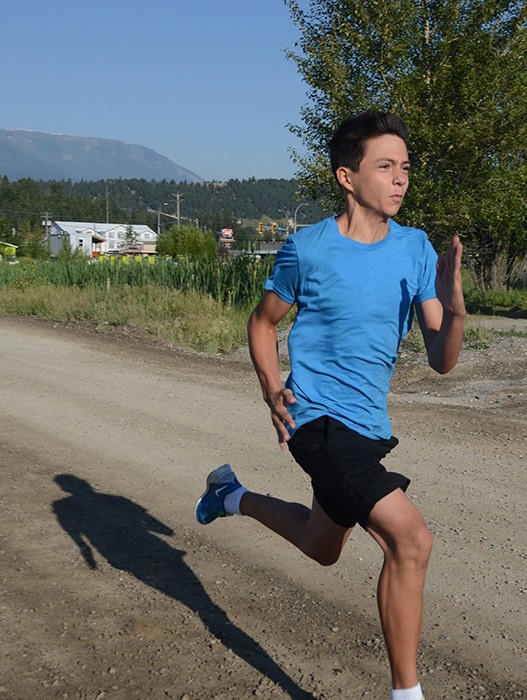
x,y
220,482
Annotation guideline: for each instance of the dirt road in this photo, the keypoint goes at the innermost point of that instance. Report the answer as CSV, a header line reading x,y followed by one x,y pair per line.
x,y
111,590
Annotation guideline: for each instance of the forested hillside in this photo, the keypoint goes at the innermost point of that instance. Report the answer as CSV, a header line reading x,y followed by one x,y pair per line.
x,y
25,203
246,199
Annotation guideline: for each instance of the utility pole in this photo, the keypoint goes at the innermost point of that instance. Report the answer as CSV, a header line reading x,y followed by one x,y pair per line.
x,y
46,223
107,205
178,210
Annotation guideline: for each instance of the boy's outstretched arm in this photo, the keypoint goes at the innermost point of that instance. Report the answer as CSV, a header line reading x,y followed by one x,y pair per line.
x,y
441,319
263,346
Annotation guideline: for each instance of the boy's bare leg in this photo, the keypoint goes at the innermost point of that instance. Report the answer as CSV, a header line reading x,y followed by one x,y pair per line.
x,y
311,530
400,530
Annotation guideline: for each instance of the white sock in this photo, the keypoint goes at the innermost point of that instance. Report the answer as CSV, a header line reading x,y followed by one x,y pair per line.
x,y
407,693
232,503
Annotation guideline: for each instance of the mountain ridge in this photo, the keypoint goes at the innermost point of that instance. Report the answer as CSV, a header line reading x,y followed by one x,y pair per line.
x,y
42,155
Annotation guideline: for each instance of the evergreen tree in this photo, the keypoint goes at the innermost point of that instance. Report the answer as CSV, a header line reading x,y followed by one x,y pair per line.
x,y
130,235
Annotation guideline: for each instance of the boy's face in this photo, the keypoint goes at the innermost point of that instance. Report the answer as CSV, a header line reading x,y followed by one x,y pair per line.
x,y
381,182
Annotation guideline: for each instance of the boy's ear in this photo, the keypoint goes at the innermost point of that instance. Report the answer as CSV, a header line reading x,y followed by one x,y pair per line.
x,y
343,176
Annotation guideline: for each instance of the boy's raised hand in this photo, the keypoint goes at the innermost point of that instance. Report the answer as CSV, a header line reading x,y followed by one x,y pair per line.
x,y
449,285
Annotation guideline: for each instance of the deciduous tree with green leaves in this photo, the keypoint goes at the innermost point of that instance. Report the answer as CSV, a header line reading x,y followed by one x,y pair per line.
x,y
456,71
187,241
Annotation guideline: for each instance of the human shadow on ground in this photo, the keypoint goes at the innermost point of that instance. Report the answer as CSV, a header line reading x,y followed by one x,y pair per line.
x,y
126,535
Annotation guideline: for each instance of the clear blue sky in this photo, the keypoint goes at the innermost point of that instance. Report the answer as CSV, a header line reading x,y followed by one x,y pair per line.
x,y
203,82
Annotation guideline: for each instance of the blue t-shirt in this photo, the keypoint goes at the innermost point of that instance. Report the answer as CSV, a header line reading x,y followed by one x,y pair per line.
x,y
354,303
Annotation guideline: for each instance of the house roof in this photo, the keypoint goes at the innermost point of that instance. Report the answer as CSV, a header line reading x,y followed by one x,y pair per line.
x,y
100,228
11,245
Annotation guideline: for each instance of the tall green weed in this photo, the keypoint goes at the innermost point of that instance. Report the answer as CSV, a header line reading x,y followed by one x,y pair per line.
x,y
236,282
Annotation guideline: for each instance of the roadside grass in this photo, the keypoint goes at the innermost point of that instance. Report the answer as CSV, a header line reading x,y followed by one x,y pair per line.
x,y
188,320
199,305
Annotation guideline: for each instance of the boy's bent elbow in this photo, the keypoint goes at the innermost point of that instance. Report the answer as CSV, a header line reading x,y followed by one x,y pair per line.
x,y
441,369
443,366
444,348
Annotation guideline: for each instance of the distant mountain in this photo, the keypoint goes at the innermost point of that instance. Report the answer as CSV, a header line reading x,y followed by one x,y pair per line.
x,y
42,156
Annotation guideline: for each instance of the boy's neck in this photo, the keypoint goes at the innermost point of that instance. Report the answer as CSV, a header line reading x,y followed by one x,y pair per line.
x,y
362,229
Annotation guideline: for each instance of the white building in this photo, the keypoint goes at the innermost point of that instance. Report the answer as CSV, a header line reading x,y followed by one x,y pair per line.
x,y
94,238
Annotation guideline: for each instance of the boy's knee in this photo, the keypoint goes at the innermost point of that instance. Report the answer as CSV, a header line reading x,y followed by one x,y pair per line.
x,y
417,546
322,557
327,559
425,541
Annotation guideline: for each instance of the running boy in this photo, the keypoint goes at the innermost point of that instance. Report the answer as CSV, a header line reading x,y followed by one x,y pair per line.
x,y
355,279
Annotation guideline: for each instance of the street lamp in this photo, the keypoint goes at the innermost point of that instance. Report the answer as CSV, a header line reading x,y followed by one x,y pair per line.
x,y
304,204
285,212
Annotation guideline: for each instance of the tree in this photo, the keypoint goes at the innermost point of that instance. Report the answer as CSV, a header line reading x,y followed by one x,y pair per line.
x,y
186,241
32,244
130,236
67,252
456,71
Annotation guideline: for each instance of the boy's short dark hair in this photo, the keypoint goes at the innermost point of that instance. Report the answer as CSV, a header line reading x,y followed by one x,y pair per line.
x,y
348,143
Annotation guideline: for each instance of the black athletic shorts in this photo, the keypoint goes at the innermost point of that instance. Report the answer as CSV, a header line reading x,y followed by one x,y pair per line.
x,y
346,474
